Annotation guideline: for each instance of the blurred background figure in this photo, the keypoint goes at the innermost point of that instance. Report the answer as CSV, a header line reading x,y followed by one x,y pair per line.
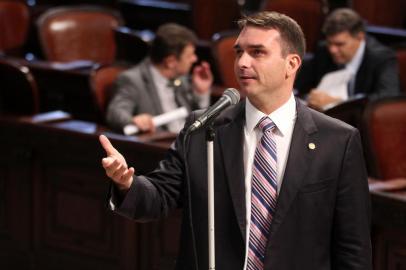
x,y
161,83
348,63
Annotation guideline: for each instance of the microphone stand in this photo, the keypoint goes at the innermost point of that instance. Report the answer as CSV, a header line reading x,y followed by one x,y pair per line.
x,y
210,134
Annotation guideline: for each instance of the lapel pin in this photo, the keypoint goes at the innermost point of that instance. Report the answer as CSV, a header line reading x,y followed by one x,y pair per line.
x,y
312,146
177,82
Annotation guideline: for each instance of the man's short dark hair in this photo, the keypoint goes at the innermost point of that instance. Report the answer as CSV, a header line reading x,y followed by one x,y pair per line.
x,y
342,20
170,39
292,37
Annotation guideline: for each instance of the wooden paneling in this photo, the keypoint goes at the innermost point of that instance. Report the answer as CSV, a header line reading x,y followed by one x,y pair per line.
x,y
213,16
389,229
15,201
380,12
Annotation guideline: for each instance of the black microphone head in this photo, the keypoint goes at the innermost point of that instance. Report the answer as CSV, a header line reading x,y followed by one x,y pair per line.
x,y
233,94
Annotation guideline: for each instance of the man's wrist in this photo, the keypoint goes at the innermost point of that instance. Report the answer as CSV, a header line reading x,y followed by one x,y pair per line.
x,y
124,187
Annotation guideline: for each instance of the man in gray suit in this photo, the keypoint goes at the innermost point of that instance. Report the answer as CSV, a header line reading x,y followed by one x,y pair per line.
x,y
160,83
290,198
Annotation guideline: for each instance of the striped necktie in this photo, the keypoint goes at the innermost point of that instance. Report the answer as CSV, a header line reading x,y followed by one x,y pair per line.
x,y
263,195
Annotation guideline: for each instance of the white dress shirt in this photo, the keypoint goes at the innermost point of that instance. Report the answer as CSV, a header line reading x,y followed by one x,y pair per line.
x,y
167,98
284,119
354,65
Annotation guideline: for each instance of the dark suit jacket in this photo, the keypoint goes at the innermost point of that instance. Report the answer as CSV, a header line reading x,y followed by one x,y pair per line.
x,y
322,215
135,93
377,76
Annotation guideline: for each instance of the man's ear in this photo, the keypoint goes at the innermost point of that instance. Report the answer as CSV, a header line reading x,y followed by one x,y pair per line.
x,y
170,61
293,62
360,35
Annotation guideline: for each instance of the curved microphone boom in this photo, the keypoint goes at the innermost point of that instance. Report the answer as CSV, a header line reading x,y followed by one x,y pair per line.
x,y
230,97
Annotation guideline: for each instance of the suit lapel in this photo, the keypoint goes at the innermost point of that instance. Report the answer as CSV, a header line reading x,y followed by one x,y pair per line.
x,y
299,160
182,94
230,137
150,85
360,77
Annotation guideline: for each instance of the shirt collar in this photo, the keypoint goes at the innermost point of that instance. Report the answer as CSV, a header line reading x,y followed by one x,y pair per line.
x,y
160,81
355,62
282,117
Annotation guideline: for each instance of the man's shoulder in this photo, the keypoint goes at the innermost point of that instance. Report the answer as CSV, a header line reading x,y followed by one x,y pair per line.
x,y
136,73
377,50
137,69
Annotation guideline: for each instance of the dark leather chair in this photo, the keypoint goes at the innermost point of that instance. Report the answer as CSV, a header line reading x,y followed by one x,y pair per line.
x,y
131,48
350,111
223,53
78,33
308,14
385,133
14,22
402,68
18,92
101,82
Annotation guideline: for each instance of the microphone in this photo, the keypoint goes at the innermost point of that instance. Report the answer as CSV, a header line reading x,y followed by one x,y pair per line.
x,y
230,97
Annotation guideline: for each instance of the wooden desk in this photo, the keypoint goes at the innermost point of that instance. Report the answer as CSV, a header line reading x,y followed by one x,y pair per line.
x,y
389,229
65,88
53,190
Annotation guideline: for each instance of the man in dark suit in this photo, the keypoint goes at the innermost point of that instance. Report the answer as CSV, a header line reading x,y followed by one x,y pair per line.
x,y
291,197
372,67
161,83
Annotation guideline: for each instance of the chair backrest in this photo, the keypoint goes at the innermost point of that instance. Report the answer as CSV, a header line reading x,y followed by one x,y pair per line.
x,y
131,47
78,33
402,68
101,82
308,14
18,92
14,22
225,12
223,53
385,130
350,111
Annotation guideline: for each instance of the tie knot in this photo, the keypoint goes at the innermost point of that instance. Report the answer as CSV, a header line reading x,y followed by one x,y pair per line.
x,y
266,124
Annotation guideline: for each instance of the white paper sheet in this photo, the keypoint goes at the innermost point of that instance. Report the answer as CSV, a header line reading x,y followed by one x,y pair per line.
x,y
160,120
335,83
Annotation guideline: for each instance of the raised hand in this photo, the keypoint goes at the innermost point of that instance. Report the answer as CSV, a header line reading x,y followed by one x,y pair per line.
x,y
116,166
202,78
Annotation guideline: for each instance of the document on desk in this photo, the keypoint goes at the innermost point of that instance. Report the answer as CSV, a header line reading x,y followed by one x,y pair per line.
x,y
160,120
72,65
335,83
